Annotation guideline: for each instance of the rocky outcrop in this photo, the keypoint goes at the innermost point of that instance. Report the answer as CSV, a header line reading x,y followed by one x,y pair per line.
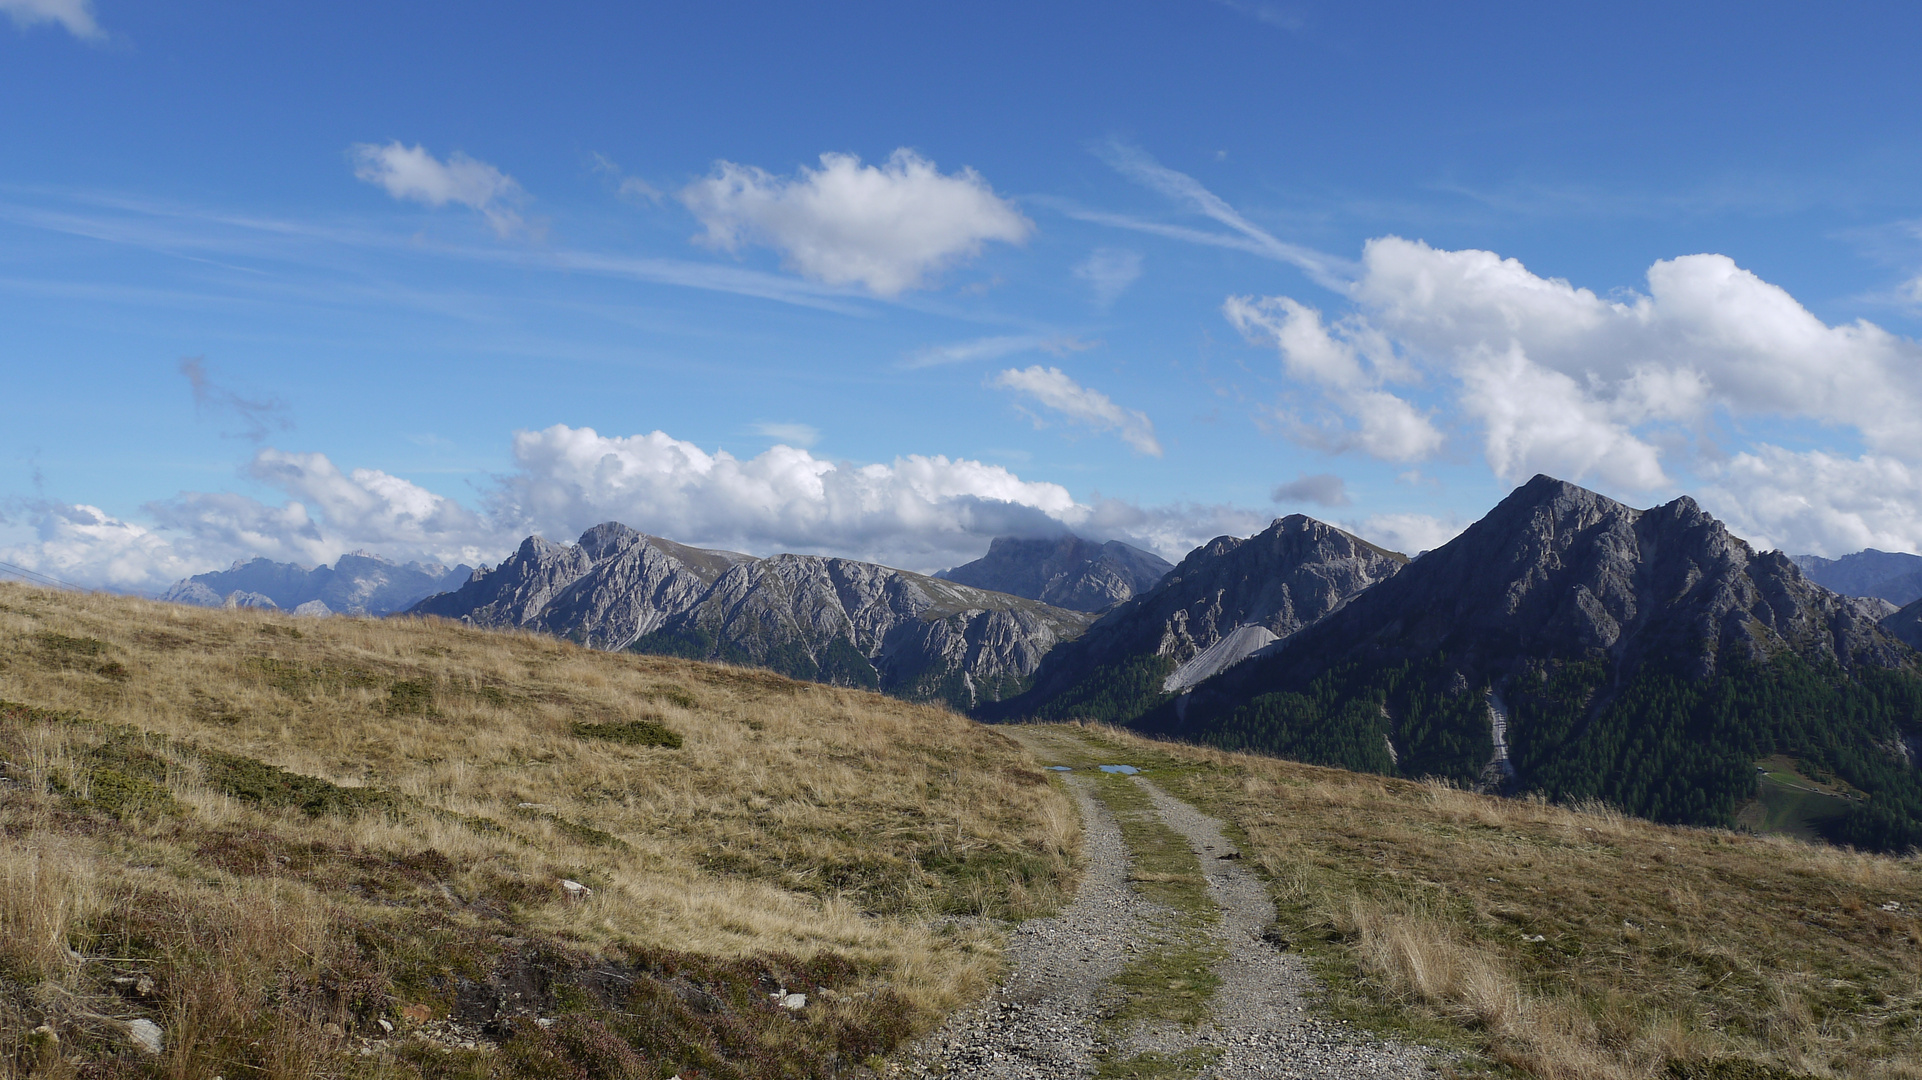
x,y
1906,624
827,619
1065,571
1894,576
357,584
1287,577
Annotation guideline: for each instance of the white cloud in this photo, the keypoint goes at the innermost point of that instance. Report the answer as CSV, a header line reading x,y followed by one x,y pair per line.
x,y
801,435
1558,379
1054,390
75,15
1707,335
412,173
994,348
1537,420
1109,272
918,511
1186,190
1349,366
1818,502
1410,534
84,544
887,228
567,479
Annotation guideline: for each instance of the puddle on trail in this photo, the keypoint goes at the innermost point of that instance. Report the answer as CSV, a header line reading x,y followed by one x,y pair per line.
x,y
1125,770
1060,768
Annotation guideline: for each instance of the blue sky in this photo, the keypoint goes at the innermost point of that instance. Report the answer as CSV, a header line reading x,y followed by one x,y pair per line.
x,y
884,280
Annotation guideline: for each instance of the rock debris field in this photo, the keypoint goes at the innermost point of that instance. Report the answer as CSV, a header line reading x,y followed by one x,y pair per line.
x,y
1046,1019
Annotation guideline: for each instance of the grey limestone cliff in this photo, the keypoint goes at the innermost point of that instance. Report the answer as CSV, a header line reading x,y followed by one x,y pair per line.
x,y
1231,591
832,620
1065,571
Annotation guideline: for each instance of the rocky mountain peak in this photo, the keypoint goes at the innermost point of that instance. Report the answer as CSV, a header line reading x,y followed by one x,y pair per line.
x,y
1247,592
1557,571
1065,571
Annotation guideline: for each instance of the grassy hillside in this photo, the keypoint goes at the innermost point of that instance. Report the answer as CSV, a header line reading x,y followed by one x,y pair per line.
x,y
1562,943
345,847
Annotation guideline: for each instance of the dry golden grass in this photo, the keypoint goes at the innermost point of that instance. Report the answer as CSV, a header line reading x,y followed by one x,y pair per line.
x,y
794,820
1574,943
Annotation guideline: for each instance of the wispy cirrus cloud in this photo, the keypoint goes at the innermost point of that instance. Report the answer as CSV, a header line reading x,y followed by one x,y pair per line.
x,y
994,348
790,434
1050,388
1109,272
1279,16
75,15
1327,270
248,243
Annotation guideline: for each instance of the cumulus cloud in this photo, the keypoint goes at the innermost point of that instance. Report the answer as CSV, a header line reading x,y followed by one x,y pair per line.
x,y
1349,364
1817,502
1109,272
1052,389
327,513
1410,534
917,511
1555,378
571,478
75,15
888,228
1321,489
413,174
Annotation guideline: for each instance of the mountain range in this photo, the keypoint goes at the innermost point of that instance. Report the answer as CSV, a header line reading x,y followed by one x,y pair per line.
x,y
812,617
1566,644
1889,575
357,584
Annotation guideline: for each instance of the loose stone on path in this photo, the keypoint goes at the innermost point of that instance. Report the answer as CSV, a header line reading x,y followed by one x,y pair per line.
x,y
1043,1020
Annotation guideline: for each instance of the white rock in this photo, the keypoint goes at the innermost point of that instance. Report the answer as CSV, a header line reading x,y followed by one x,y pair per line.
x,y
145,1034
794,1001
575,891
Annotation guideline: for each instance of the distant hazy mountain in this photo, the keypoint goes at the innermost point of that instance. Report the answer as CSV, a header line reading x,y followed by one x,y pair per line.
x,y
1227,599
1894,576
830,620
357,584
1646,658
1065,571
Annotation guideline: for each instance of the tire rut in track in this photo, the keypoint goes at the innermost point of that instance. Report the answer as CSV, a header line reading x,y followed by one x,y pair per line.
x,y
1045,1020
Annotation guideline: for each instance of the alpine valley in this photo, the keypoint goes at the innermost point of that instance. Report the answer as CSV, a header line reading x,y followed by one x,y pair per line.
x,y
1566,644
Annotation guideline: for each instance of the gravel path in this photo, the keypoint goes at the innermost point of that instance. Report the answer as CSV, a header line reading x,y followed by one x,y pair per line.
x,y
1042,1021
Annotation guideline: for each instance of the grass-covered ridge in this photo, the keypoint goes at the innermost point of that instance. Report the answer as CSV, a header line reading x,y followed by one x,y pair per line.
x,y
273,838
1568,943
